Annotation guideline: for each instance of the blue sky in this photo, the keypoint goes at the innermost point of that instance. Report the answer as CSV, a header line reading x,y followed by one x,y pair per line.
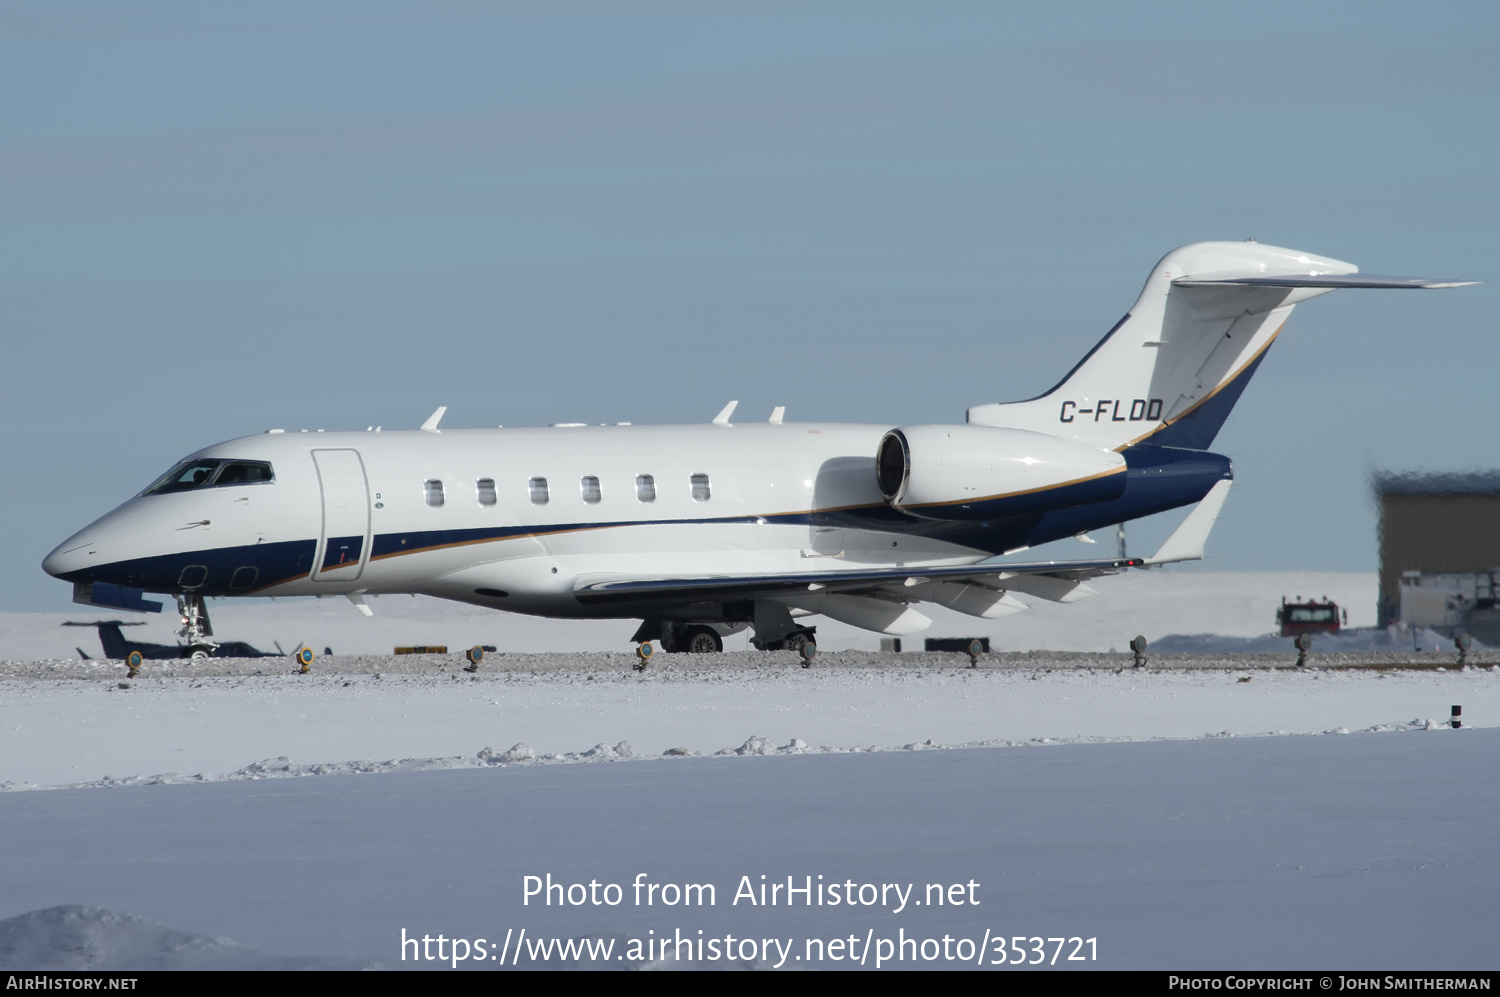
x,y
215,219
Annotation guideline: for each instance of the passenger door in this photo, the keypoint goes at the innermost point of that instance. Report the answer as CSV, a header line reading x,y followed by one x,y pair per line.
x,y
343,544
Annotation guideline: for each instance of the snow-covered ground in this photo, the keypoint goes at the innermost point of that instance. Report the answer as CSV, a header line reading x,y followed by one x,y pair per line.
x,y
1371,851
68,731
1144,809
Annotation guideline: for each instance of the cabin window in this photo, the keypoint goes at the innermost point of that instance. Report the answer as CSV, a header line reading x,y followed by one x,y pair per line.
x,y
538,489
645,488
700,488
434,489
590,486
486,489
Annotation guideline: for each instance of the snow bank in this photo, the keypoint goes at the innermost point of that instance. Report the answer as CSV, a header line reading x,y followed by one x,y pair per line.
x,y
81,938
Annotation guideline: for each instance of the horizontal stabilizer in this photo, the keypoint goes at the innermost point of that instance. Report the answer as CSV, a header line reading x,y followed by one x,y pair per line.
x,y
1186,542
1259,278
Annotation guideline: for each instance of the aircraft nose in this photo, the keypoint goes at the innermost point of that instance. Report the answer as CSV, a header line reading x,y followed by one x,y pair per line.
x,y
73,555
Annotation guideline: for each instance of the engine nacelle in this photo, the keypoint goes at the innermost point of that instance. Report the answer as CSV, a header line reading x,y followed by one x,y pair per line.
x,y
980,472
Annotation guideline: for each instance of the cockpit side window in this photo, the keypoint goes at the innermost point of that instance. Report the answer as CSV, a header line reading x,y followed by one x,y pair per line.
x,y
191,474
245,472
184,477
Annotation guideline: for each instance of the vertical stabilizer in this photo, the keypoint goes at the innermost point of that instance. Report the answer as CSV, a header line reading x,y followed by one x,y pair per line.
x,y
1170,371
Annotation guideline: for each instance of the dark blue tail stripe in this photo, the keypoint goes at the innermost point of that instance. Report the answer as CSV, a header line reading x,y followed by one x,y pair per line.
x,y
1196,430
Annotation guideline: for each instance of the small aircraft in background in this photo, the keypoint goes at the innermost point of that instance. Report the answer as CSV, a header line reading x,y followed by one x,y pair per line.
x,y
117,647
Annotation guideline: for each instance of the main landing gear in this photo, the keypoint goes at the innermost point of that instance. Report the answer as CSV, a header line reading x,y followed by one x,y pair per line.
x,y
678,638
708,638
699,640
802,641
686,638
775,630
196,629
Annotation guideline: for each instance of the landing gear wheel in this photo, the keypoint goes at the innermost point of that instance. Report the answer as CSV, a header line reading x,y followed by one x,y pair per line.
x,y
199,652
795,640
701,640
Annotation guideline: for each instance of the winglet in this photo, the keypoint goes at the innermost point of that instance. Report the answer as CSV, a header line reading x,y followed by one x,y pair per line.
x,y
430,426
722,419
1186,542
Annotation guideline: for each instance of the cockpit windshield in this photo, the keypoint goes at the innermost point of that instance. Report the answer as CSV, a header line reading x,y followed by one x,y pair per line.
x,y
244,472
192,474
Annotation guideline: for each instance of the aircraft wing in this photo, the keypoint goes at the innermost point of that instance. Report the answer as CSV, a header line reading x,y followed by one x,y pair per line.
x,y
597,591
867,594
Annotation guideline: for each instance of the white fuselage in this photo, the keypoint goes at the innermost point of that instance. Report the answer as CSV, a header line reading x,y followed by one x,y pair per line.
x,y
758,486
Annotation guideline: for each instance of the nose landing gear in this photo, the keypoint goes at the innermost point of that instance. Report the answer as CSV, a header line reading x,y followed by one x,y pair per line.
x,y
196,629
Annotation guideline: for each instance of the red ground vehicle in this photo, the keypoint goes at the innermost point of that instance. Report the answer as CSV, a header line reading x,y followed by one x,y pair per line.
x,y
1314,616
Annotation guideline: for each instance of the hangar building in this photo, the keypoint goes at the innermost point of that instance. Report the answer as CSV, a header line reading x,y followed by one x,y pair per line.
x,y
1440,551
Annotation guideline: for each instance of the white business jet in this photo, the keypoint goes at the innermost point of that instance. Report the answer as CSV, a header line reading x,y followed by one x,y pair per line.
x,y
702,530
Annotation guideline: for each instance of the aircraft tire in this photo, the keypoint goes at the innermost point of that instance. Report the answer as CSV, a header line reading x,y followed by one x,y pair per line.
x,y
198,652
701,640
794,641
